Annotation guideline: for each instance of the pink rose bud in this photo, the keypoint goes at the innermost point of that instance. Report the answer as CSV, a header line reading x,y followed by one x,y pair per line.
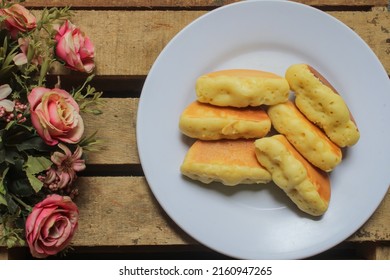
x,y
18,19
55,116
51,225
74,48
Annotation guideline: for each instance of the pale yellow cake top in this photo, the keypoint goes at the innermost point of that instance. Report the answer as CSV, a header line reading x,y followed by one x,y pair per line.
x,y
306,137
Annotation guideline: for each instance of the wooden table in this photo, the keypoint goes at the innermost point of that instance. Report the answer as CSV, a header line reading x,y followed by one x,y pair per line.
x,y
120,218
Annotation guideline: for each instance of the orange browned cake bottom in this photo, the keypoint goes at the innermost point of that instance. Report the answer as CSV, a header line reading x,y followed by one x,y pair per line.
x,y
230,162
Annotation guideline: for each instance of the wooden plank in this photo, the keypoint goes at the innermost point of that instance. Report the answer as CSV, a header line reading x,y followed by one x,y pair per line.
x,y
183,4
116,128
382,253
121,211
126,213
3,252
136,38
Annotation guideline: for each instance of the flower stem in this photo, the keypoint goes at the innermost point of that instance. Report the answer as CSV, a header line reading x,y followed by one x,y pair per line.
x,y
21,202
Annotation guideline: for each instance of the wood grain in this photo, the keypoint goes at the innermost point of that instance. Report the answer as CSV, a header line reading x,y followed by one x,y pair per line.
x,y
3,252
116,129
126,213
185,3
382,253
122,211
136,38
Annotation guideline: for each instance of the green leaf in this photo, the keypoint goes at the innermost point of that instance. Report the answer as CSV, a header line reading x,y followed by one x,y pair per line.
x,y
12,234
34,143
16,134
35,165
13,157
36,184
21,187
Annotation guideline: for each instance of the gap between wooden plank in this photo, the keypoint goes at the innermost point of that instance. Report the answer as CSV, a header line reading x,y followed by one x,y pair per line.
x,y
143,252
118,86
343,251
113,170
115,86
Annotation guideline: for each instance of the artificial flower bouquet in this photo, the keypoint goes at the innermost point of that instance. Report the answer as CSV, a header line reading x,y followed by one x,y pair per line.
x,y
42,138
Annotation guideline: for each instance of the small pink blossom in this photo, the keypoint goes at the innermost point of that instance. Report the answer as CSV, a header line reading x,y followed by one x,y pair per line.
x,y
74,48
67,165
55,115
18,19
51,225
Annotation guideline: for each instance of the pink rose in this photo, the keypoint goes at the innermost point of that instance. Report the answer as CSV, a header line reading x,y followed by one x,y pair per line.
x,y
55,115
74,48
18,18
51,225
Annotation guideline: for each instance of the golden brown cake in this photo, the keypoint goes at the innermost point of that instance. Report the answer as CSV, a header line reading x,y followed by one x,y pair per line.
x,y
209,122
230,162
307,138
241,88
306,186
322,105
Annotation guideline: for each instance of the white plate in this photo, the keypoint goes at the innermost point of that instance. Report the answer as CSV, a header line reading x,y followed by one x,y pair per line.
x,y
259,222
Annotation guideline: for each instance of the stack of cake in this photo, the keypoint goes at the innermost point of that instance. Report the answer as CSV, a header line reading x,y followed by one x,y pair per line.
x,y
249,132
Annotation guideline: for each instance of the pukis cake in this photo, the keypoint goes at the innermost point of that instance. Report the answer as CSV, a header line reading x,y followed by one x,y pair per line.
x,y
321,104
307,186
209,122
306,137
241,88
230,162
